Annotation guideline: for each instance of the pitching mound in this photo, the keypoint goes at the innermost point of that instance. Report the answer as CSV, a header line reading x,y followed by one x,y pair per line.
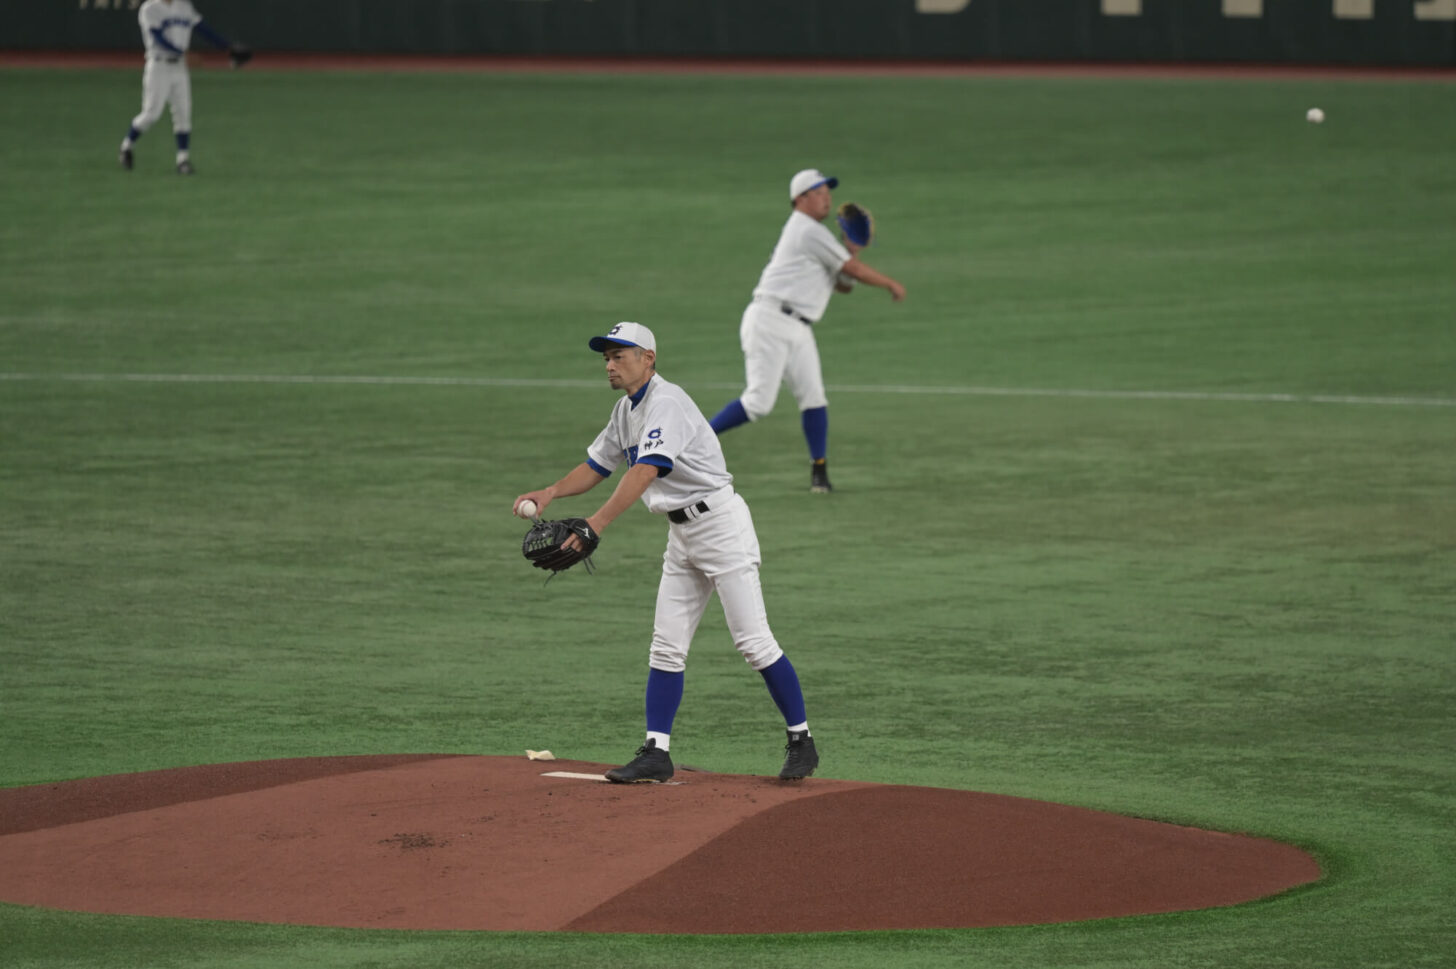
x,y
454,842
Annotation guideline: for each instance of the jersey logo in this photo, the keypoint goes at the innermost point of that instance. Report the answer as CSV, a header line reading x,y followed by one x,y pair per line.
x,y
654,441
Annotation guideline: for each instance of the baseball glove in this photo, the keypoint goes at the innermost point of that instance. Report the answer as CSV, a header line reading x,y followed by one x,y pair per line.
x,y
542,545
239,54
857,223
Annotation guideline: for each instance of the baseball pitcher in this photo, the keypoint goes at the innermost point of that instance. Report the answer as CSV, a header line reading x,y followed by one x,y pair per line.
x,y
675,467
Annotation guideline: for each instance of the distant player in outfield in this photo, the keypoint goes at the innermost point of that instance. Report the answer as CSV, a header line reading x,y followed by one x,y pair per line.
x,y
808,265
167,27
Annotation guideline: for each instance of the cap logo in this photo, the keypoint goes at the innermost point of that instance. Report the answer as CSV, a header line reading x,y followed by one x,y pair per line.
x,y
613,330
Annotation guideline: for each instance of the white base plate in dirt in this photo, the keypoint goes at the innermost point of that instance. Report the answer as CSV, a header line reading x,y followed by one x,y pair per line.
x,y
601,778
576,777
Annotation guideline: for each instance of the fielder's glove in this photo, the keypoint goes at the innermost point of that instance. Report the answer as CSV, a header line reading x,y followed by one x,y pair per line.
x,y
239,54
542,545
857,223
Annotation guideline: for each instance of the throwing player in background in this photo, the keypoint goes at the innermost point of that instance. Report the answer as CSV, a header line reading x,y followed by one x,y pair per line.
x,y
675,466
777,332
167,27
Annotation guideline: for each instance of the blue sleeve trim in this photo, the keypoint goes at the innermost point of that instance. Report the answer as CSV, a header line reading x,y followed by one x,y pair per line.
x,y
598,468
161,38
662,462
217,39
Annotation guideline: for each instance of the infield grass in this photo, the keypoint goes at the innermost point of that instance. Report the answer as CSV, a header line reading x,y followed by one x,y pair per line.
x,y
1172,404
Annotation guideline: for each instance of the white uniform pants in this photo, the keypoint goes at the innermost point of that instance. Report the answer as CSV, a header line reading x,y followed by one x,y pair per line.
x,y
716,553
164,84
778,348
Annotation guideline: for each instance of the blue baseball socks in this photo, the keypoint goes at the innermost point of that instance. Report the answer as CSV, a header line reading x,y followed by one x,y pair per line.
x,y
815,421
664,695
665,692
816,431
729,417
783,686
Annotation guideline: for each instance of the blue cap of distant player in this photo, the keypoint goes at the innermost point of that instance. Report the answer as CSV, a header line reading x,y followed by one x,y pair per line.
x,y
625,335
808,179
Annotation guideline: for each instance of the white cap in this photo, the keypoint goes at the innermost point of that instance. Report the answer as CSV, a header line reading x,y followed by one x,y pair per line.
x,y
625,335
809,178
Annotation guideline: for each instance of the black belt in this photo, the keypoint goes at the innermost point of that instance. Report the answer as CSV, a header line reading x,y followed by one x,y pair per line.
x,y
680,516
789,311
167,60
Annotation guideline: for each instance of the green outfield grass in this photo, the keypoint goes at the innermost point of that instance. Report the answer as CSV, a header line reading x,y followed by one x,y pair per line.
x,y
1145,494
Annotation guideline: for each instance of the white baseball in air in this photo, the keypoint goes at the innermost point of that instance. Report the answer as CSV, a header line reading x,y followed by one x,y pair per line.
x,y
1314,116
527,509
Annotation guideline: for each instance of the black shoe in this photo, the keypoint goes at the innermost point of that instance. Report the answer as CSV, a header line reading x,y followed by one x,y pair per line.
x,y
802,757
185,168
650,766
819,479
126,158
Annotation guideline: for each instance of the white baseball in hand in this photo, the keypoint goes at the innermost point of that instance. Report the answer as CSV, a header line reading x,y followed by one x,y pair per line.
x,y
526,509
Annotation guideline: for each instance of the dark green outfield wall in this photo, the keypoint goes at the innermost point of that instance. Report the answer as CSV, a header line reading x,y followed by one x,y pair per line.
x,y
1354,32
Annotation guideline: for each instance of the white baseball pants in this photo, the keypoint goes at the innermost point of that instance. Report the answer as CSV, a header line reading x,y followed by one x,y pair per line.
x,y
778,348
164,84
715,553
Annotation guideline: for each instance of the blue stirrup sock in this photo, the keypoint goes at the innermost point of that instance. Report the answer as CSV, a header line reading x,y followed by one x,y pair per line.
x,y
816,431
664,694
729,417
783,686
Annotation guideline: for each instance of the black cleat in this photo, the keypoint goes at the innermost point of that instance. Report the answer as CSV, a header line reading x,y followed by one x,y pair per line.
x,y
185,168
126,158
650,766
802,757
819,479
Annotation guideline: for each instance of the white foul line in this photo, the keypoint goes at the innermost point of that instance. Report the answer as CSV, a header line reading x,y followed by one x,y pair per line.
x,y
1153,395
968,391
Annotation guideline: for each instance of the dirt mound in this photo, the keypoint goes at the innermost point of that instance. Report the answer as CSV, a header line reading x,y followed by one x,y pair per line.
x,y
459,842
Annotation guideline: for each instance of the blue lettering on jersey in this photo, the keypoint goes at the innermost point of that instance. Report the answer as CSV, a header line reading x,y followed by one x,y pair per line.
x,y
159,33
654,441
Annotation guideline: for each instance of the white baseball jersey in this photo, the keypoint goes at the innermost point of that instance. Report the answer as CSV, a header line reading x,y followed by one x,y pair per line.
x,y
661,422
173,20
804,266
716,551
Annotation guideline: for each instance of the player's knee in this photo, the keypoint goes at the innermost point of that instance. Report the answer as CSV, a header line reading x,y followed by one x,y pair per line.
x,y
757,402
812,400
666,657
760,652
